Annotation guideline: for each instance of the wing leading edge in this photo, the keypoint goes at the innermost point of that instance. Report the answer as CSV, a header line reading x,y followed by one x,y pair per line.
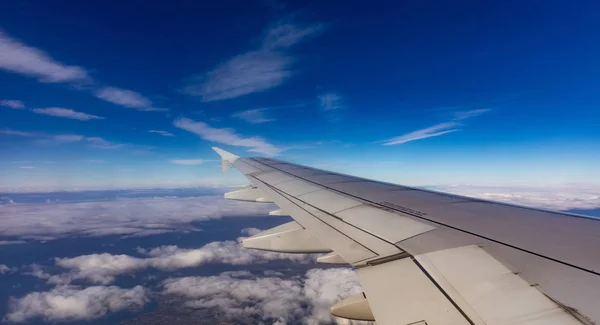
x,y
426,257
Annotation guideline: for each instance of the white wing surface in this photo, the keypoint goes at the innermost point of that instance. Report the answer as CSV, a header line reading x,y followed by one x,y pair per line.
x,y
432,258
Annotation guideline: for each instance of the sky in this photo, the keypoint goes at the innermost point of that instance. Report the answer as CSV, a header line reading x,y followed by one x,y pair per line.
x,y
133,94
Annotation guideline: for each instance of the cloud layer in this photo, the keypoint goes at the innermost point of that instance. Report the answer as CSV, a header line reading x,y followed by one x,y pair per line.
x,y
227,136
72,303
126,217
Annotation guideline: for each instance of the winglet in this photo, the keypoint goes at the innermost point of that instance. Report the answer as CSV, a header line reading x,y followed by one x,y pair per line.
x,y
227,157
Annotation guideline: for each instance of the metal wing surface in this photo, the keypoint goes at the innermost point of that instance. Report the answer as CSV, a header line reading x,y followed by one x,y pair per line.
x,y
426,257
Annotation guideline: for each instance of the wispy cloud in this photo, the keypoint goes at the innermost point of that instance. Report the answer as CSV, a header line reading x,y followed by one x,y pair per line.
x,y
104,144
330,101
12,103
227,136
18,133
258,70
94,160
163,133
436,130
66,113
255,116
19,58
126,98
463,115
432,131
189,161
26,167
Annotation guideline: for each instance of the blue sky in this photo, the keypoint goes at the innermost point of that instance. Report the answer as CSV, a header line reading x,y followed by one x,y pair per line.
x,y
112,94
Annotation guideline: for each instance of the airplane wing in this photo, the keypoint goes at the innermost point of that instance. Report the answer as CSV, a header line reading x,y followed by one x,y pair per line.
x,y
430,258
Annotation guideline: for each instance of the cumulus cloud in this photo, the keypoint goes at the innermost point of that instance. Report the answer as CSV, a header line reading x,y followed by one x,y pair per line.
x,y
66,113
126,98
19,58
125,217
227,136
4,269
71,303
270,298
254,71
103,268
254,116
11,103
189,161
330,101
436,130
163,133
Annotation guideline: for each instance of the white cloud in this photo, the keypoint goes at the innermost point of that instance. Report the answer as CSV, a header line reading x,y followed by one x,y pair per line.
x,y
19,133
297,300
66,113
436,130
243,74
330,101
462,115
432,131
552,198
126,98
189,161
19,58
14,104
71,303
4,269
104,144
227,136
124,217
255,116
253,71
12,242
103,268
286,34
26,167
163,133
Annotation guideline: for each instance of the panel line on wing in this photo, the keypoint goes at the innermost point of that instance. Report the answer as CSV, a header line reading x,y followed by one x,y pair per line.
x,y
378,205
323,221
325,212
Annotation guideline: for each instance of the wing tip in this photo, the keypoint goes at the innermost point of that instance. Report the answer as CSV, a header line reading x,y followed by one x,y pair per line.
x,y
227,158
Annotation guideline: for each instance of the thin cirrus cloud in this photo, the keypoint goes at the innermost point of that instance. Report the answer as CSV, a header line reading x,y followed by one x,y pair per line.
x,y
26,167
436,130
227,136
12,103
25,60
330,101
254,116
126,98
55,139
19,58
189,161
254,71
66,113
163,133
